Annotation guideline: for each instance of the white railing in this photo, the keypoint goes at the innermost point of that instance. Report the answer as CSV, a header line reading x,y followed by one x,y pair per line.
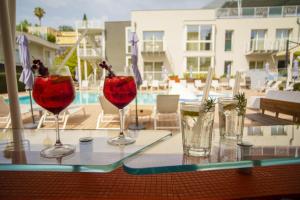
x,y
153,46
90,52
267,45
275,11
89,24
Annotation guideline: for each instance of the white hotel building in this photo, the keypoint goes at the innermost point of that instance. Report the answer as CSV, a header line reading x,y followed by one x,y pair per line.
x,y
247,37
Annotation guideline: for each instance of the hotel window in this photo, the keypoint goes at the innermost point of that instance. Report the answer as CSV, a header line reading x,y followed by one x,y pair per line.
x,y
256,65
228,40
128,38
282,35
199,38
198,64
258,39
153,41
153,70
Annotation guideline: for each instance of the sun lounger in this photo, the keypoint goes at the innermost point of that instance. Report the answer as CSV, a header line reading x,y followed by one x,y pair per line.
x,y
63,117
108,114
166,111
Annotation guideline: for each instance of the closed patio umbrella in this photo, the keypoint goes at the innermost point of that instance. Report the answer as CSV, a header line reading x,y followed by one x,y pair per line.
x,y
27,76
138,78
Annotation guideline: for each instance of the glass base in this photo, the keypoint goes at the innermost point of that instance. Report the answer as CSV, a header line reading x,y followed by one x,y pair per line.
x,y
120,140
58,151
201,152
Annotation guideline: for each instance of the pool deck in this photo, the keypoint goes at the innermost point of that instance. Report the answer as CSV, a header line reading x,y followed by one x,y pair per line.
x,y
79,121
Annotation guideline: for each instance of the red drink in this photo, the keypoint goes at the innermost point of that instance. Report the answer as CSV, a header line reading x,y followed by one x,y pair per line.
x,y
119,90
54,93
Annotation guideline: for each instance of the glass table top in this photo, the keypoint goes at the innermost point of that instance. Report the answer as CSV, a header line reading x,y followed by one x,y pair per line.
x,y
261,146
94,156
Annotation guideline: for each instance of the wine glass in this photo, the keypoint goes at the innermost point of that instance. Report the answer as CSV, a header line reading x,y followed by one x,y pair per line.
x,y
120,91
54,93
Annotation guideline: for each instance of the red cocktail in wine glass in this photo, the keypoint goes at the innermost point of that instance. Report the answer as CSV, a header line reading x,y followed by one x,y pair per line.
x,y
54,93
120,91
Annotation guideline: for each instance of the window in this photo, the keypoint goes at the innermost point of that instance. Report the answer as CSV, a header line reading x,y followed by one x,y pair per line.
x,y
228,40
199,38
153,41
128,39
282,35
198,64
258,39
256,65
153,70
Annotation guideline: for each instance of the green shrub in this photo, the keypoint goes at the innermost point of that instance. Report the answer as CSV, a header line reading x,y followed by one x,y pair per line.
x,y
282,85
51,38
296,87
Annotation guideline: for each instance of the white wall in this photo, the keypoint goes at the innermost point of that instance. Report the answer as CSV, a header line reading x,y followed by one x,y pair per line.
x,y
242,32
172,22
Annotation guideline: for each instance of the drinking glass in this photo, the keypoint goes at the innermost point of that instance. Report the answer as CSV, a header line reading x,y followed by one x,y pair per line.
x,y
120,91
54,93
197,127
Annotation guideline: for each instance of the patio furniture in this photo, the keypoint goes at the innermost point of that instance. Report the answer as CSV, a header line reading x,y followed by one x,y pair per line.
x,y
171,83
231,83
84,84
198,84
4,113
166,112
285,102
144,85
215,84
63,116
108,114
163,85
183,82
5,117
154,85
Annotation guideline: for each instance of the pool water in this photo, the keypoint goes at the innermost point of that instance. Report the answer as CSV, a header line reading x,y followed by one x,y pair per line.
x,y
85,98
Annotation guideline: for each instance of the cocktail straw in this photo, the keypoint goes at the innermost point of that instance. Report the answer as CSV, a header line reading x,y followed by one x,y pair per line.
x,y
236,86
207,85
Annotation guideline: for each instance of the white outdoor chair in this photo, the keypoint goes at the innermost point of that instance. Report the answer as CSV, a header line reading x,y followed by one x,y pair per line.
x,y
231,83
215,84
5,117
4,113
144,85
198,84
163,84
166,111
171,83
63,117
155,85
108,114
84,84
183,83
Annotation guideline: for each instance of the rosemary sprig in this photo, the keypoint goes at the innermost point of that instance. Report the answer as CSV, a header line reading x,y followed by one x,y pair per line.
x,y
209,105
242,103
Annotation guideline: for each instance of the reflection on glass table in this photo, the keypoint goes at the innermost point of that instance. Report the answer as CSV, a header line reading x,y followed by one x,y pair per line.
x,y
260,147
90,156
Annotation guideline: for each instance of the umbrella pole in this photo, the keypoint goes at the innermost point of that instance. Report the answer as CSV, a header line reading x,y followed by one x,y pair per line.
x,y
30,98
136,126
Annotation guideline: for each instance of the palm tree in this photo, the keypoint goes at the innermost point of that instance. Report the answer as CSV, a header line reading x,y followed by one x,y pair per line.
x,y
39,13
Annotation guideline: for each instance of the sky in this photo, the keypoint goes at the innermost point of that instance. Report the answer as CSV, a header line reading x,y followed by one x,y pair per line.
x,y
66,12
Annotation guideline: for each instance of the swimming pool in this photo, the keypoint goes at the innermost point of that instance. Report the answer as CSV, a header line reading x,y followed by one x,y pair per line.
x,y
85,98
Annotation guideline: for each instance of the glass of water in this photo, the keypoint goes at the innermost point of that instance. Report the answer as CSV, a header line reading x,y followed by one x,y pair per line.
x,y
197,126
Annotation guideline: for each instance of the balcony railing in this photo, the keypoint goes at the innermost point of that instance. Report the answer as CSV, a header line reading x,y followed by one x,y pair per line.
x,y
262,45
153,46
90,52
275,11
89,24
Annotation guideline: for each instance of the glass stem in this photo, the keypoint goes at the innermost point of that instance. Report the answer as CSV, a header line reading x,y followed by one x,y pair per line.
x,y
58,142
122,120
